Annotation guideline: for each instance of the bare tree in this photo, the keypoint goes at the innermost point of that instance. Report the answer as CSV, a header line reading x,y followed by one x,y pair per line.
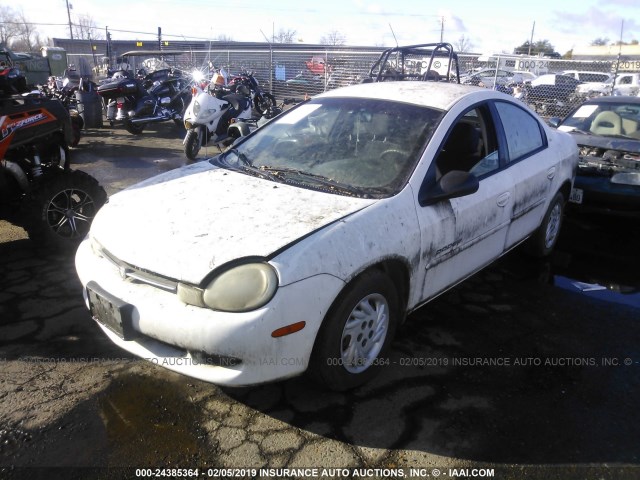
x,y
284,36
223,38
334,38
463,44
85,28
9,28
27,39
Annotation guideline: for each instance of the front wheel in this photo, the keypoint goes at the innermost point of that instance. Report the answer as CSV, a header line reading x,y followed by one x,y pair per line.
x,y
59,209
134,128
356,333
542,242
192,144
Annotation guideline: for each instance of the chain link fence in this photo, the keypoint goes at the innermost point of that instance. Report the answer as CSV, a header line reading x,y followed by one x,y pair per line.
x,y
552,87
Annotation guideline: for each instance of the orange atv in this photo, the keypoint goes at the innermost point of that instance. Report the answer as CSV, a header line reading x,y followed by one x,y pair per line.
x,y
38,190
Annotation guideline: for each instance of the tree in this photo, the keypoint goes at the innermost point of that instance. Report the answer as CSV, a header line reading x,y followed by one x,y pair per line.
x,y
540,47
85,28
599,42
9,28
463,44
333,38
284,36
27,39
223,38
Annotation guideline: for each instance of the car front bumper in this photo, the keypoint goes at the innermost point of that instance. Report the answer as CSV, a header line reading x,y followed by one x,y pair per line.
x,y
599,195
231,349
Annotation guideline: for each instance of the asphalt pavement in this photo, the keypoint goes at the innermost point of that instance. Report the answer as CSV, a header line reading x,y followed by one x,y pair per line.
x,y
530,369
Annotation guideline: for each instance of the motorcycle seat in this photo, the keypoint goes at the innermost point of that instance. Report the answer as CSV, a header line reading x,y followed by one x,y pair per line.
x,y
237,102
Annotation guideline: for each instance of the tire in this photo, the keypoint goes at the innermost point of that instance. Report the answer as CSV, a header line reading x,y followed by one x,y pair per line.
x,y
544,239
192,144
134,128
58,211
181,106
264,102
369,307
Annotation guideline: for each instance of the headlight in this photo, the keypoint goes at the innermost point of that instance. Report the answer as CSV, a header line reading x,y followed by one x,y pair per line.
x,y
238,289
196,107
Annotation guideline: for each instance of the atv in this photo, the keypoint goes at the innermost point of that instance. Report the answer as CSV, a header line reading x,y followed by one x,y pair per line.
x,y
38,190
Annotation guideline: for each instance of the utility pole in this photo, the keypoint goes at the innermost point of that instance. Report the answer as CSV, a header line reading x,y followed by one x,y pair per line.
x,y
441,29
159,38
531,41
69,17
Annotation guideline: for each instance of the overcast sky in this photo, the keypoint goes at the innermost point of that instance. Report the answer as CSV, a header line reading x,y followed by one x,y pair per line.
x,y
492,26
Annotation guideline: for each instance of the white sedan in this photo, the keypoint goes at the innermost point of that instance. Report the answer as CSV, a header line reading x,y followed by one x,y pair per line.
x,y
304,246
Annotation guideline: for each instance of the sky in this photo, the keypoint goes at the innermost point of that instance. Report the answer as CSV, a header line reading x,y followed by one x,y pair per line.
x,y
491,26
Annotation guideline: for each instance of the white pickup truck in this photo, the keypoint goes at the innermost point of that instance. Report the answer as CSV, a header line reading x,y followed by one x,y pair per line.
x,y
622,84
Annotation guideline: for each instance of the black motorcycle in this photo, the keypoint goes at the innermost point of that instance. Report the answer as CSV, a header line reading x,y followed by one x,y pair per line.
x,y
262,101
154,97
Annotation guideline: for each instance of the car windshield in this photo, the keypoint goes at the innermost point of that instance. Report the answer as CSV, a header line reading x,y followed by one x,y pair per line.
x,y
607,119
348,146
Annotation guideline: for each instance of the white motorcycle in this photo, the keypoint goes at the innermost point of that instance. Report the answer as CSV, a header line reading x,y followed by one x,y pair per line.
x,y
210,113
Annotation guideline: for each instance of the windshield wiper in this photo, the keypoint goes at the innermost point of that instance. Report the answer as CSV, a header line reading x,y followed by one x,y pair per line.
x,y
288,173
241,156
245,165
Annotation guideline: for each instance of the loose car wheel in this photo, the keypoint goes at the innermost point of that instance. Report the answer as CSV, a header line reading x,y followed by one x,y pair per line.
x,y
60,208
541,243
192,144
356,333
134,128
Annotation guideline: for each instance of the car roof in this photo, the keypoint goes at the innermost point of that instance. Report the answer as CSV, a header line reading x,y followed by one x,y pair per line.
x,y
439,95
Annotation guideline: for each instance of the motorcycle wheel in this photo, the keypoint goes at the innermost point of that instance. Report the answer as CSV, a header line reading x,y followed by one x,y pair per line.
x,y
134,128
192,144
264,102
58,211
182,108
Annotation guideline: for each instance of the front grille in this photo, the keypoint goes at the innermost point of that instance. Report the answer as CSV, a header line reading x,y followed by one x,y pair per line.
x,y
139,275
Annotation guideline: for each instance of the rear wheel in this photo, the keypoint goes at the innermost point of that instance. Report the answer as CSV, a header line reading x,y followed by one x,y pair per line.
x,y
134,128
356,333
542,242
59,209
264,102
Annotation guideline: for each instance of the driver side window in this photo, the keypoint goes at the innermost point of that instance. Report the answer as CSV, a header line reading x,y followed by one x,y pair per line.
x,y
471,145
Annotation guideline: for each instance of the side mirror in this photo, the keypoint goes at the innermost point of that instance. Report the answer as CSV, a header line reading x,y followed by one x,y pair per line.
x,y
554,122
452,185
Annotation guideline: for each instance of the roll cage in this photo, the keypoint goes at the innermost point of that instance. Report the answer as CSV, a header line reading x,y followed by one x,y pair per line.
x,y
423,62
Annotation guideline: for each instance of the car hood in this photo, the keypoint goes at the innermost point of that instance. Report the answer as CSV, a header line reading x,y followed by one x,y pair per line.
x,y
187,222
601,141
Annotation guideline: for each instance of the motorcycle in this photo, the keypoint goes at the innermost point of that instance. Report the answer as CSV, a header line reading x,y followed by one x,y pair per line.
x,y
148,98
262,101
71,90
38,189
211,111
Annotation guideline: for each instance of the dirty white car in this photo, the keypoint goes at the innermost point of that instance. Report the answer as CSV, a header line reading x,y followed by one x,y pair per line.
x,y
306,245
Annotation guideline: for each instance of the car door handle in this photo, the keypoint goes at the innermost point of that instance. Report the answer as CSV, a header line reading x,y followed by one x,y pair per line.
x,y
503,199
551,173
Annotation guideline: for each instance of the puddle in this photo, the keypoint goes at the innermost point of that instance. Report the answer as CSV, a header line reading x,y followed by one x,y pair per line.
x,y
151,422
